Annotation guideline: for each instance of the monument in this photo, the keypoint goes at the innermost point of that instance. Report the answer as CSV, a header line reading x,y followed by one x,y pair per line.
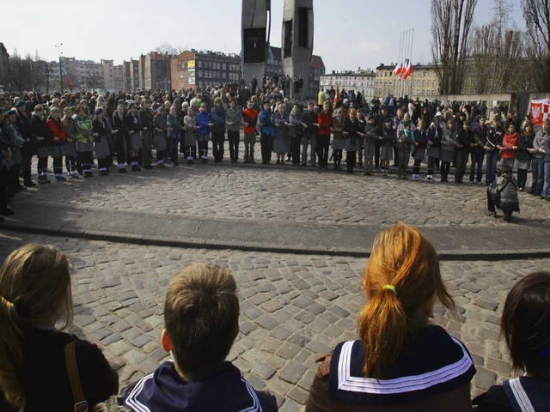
x,y
297,42
256,28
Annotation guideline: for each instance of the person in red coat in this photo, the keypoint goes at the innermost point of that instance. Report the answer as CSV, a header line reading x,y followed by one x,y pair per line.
x,y
324,120
59,138
509,146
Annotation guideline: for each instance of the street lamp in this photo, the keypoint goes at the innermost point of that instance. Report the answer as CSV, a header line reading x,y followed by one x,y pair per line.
x,y
58,47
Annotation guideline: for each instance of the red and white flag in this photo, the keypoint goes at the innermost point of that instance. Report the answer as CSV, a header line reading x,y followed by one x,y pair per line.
x,y
407,70
540,111
398,69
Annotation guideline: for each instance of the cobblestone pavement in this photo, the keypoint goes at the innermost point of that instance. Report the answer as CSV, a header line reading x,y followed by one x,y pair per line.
x,y
277,194
293,308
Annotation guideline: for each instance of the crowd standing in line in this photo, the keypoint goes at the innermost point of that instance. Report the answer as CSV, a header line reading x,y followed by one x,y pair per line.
x,y
124,131
400,361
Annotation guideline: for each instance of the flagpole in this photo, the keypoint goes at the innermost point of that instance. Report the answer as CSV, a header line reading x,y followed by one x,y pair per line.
x,y
410,59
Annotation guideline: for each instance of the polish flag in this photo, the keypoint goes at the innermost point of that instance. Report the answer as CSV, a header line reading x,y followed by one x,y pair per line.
x,y
407,70
398,69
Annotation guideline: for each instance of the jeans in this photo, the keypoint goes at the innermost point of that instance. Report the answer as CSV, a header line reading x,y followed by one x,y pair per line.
x,y
546,189
492,159
476,157
307,141
537,168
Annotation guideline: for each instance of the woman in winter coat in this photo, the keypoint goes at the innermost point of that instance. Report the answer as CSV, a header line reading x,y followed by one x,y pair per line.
x,y
448,150
102,131
509,146
420,142
120,132
71,155
281,142
434,137
57,129
338,138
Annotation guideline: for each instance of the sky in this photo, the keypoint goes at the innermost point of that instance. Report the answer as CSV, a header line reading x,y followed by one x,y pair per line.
x,y
348,33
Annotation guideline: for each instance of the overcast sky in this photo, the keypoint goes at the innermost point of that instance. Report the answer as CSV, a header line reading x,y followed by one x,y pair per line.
x,y
348,33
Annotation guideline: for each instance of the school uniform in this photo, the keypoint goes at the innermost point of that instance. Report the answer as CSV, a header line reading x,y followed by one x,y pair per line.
x,y
477,153
420,139
492,140
234,119
203,133
120,143
134,145
85,143
515,395
43,143
351,126
71,154
369,146
190,141
218,116
434,137
432,373
174,130
146,120
281,142
464,138
404,142
102,129
338,140
160,122
447,153
295,132
386,147
523,158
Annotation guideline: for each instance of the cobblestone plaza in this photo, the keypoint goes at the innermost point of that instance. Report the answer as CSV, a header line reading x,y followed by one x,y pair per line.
x,y
294,307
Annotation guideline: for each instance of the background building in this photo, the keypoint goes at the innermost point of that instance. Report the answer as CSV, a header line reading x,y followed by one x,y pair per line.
x,y
4,66
362,81
192,69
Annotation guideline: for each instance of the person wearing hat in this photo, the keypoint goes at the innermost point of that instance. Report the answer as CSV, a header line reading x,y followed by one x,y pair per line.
x,y
503,193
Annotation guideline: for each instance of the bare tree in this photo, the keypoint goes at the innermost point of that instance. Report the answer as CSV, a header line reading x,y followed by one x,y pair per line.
x,y
20,73
537,19
167,48
451,26
497,52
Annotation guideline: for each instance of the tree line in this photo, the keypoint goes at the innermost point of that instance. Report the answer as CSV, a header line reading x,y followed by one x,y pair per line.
x,y
503,57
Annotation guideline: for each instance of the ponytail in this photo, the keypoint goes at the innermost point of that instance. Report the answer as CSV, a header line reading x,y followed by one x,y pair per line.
x,y
402,274
11,355
382,329
33,280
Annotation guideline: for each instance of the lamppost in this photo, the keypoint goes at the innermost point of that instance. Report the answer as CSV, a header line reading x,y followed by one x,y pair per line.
x,y
58,47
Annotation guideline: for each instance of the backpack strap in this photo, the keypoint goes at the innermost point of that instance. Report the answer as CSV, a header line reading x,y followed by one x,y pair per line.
x,y
80,404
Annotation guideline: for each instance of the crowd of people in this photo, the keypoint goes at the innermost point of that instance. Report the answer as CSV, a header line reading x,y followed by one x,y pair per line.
x,y
401,361
82,131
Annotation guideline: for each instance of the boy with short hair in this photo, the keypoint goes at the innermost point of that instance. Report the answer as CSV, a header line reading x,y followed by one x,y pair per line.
x,y
201,316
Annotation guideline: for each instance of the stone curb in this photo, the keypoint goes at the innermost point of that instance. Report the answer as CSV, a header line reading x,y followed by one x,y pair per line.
x,y
196,243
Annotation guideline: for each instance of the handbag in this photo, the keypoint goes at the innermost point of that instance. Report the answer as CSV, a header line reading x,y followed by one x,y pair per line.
x,y
80,404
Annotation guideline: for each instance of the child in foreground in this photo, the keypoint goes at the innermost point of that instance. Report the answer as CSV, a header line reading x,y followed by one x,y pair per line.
x,y
201,317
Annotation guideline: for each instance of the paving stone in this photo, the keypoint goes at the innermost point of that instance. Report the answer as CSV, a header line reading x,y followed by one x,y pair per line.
x,y
263,371
486,304
484,379
292,372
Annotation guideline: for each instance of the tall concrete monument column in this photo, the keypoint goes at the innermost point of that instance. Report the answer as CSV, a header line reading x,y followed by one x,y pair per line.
x,y
297,42
256,28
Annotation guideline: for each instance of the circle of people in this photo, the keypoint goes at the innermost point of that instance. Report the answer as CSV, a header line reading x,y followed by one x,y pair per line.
x,y
401,361
121,131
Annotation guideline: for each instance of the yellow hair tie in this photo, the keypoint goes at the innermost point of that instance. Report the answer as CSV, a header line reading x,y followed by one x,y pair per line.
x,y
392,288
6,302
